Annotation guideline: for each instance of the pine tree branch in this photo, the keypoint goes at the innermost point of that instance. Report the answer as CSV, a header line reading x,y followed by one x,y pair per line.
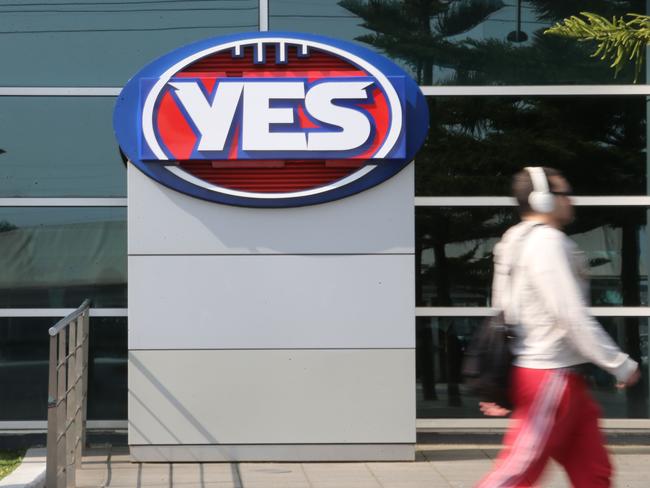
x,y
619,41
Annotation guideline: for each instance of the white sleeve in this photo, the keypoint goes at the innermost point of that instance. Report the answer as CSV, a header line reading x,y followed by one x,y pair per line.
x,y
552,276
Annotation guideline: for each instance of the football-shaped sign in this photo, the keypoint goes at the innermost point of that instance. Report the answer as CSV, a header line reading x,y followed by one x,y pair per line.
x,y
271,119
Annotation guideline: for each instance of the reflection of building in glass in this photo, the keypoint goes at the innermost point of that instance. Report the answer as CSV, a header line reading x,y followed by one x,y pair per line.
x,y
56,265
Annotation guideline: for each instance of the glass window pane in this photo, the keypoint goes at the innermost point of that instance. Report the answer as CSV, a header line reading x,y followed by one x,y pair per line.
x,y
57,257
105,43
454,253
464,43
107,372
24,357
59,147
631,334
440,392
325,17
476,144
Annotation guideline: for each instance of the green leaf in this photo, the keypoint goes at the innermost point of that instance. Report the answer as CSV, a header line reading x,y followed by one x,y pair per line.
x,y
618,41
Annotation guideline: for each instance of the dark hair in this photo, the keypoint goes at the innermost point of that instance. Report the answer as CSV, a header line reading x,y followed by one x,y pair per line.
x,y
522,187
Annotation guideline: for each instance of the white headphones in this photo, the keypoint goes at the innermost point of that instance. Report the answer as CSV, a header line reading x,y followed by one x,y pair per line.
x,y
540,199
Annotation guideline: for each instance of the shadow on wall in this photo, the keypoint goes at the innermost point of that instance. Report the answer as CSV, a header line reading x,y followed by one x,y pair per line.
x,y
379,220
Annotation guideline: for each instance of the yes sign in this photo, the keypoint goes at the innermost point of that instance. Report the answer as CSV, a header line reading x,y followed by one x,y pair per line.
x,y
214,120
271,119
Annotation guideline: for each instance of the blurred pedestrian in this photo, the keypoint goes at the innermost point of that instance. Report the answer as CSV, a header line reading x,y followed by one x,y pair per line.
x,y
544,294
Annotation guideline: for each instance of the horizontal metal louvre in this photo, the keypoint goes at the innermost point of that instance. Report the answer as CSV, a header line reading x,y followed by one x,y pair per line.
x,y
224,61
293,176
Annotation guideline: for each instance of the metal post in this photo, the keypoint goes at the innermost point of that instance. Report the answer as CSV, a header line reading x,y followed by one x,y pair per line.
x,y
67,387
79,392
61,411
263,8
519,21
71,405
52,395
84,399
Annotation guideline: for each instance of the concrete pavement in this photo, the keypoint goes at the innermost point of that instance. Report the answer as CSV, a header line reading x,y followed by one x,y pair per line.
x,y
30,473
438,465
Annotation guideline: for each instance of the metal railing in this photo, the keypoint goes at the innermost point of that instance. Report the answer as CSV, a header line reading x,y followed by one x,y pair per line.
x,y
67,395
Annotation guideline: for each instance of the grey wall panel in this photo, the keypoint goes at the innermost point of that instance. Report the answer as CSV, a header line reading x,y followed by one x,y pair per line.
x,y
272,397
271,302
379,220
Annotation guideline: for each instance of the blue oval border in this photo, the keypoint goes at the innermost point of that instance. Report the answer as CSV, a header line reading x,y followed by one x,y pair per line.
x,y
127,120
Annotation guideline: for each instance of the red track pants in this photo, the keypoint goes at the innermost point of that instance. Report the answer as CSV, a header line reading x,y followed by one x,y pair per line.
x,y
555,417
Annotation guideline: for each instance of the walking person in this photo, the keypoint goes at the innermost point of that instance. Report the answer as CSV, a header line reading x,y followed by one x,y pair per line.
x,y
540,284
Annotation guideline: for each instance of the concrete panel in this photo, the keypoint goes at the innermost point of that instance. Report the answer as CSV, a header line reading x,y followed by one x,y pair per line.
x,y
271,302
272,397
379,220
278,453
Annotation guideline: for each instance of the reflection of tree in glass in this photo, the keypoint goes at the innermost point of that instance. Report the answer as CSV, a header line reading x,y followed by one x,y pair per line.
x,y
429,35
599,144
468,274
630,222
416,31
6,226
546,59
475,144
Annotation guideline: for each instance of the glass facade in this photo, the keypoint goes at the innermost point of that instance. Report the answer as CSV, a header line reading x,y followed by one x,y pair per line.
x,y
59,147
454,254
104,43
490,42
476,143
54,256
24,356
57,257
441,342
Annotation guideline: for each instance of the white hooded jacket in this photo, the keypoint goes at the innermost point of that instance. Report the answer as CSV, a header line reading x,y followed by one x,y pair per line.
x,y
544,295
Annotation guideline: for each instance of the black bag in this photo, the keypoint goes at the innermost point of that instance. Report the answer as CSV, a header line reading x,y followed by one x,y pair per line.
x,y
487,364
488,361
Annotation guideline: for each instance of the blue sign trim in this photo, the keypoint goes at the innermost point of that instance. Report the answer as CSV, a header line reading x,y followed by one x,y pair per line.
x,y
127,123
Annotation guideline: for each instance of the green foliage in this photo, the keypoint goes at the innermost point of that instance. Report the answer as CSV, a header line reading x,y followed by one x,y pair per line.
x,y
619,41
9,460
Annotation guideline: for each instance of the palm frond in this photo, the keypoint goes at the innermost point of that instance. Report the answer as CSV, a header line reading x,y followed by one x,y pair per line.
x,y
620,40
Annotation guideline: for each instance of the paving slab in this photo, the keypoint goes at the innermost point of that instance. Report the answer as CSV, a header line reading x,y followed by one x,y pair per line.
x,y
436,466
272,473
30,473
